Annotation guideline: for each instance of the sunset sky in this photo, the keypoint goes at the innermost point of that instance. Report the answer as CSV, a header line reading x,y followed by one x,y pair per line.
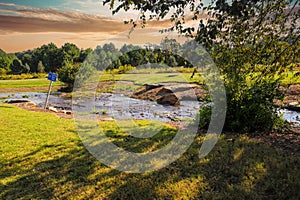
x,y
27,24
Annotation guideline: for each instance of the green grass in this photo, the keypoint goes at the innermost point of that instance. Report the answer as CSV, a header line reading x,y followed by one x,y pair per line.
x,y
42,157
142,78
149,78
27,83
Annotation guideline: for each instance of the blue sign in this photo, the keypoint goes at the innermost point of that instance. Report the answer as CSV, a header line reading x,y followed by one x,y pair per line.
x,y
52,77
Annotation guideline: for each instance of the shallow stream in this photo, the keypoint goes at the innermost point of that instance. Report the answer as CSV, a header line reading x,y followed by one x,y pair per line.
x,y
120,106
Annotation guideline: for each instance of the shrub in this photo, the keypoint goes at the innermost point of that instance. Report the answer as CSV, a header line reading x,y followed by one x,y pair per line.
x,y
70,73
67,75
122,69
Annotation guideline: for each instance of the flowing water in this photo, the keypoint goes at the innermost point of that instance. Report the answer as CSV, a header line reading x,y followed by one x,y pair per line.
x,y
120,106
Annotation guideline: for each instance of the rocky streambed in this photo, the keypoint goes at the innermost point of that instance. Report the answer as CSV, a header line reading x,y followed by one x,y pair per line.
x,y
154,102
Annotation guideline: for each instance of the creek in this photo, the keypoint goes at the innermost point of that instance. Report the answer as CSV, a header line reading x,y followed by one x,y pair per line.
x,y
120,106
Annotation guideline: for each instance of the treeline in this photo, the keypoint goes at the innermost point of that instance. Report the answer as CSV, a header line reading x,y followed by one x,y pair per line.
x,y
49,57
108,57
43,59
68,59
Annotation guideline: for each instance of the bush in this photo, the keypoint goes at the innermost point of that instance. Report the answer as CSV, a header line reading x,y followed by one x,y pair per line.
x,y
253,111
122,69
205,115
71,72
22,76
67,75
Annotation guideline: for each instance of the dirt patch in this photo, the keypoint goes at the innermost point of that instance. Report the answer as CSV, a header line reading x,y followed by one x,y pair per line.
x,y
37,109
288,142
105,86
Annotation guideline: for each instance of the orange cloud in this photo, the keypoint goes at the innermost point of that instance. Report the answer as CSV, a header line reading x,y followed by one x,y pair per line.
x,y
23,28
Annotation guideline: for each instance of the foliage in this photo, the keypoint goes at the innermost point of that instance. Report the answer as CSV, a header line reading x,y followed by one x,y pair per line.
x,y
23,76
40,67
46,58
71,52
67,74
122,69
240,35
107,57
5,65
71,72
16,67
204,117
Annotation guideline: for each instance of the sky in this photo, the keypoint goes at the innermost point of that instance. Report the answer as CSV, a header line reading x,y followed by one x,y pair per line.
x,y
28,24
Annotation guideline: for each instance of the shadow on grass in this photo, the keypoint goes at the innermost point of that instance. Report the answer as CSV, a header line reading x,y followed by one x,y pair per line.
x,y
237,168
3,106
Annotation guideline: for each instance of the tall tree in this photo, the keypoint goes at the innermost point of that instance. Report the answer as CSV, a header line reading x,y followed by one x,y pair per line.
x,y
72,52
51,56
83,54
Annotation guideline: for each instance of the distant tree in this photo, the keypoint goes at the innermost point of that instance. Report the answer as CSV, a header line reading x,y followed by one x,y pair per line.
x,y
16,67
136,57
171,61
110,47
72,52
71,72
83,54
124,58
25,57
67,74
40,67
51,56
5,64
26,68
128,47
2,53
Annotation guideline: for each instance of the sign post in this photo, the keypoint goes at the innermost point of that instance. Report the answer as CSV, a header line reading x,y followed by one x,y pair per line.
x,y
52,78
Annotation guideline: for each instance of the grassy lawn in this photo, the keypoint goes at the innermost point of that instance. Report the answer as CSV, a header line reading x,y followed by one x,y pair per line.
x,y
27,83
142,78
42,157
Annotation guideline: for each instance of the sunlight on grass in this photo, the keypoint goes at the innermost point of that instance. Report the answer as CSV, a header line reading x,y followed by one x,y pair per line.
x,y
42,157
122,134
151,78
27,83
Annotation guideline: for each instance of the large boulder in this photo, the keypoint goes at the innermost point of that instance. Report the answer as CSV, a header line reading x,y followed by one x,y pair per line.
x,y
166,96
169,99
170,94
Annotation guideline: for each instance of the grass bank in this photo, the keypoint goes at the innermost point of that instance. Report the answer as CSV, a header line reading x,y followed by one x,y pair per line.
x,y
42,157
27,85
